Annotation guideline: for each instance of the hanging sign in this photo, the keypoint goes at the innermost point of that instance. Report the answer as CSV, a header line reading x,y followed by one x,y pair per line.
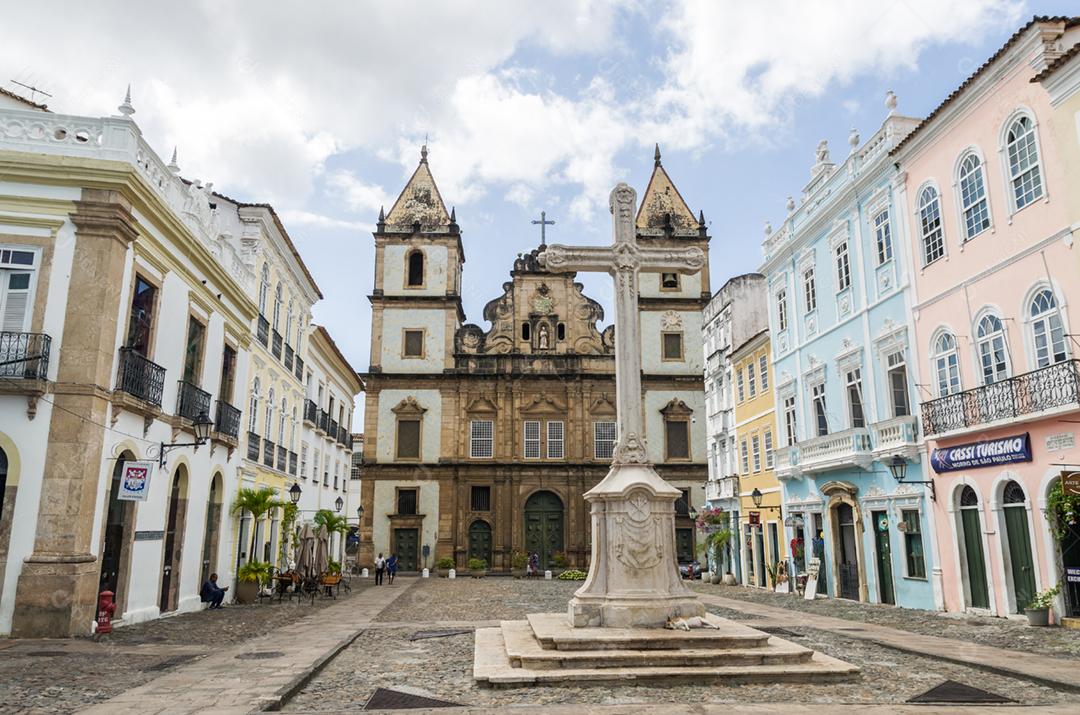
x,y
754,518
135,480
987,453
1070,483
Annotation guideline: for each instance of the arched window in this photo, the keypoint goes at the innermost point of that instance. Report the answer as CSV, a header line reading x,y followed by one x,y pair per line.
x,y
288,322
946,365
264,286
973,202
253,412
299,332
416,268
990,342
268,425
968,497
277,305
1013,494
1046,329
281,421
933,238
1025,174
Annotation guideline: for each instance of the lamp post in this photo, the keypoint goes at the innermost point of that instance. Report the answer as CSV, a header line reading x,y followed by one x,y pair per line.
x,y
294,493
202,426
898,468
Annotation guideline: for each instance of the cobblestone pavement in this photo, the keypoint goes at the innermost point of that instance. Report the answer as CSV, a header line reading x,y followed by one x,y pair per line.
x,y
985,630
442,667
61,676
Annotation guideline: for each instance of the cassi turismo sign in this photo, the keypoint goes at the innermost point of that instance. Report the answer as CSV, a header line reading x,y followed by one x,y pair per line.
x,y
987,453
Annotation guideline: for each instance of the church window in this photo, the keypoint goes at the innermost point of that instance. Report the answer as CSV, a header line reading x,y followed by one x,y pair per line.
x,y
672,346
408,439
669,281
526,331
744,457
416,269
481,499
555,434
413,344
560,332
677,439
603,440
682,504
763,368
755,446
810,290
769,456
481,439
406,502
532,439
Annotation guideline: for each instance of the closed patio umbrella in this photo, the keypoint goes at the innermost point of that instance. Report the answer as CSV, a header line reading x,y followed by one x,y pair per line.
x,y
322,550
305,559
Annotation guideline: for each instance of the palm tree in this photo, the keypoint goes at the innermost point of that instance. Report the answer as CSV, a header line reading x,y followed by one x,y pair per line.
x,y
334,523
257,502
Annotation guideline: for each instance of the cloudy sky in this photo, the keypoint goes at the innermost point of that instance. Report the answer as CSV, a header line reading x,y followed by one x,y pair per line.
x,y
320,108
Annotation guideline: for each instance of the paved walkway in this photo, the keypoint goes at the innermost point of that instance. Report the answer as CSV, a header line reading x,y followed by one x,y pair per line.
x,y
779,708
227,683
1055,672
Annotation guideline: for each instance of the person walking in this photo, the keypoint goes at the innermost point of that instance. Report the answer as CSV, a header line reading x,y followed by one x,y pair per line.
x,y
534,565
391,567
380,569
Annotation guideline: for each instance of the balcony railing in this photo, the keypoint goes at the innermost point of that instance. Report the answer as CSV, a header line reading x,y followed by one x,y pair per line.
x,y
24,355
897,433
852,447
311,412
299,368
191,402
324,420
268,453
227,420
331,430
253,446
1033,392
275,344
292,463
288,360
282,458
342,433
140,377
722,488
263,332
349,442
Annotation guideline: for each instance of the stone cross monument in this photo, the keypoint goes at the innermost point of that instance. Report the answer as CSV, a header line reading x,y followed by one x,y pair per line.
x,y
633,577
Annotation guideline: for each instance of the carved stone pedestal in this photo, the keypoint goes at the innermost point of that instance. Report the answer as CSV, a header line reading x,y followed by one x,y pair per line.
x,y
56,596
633,578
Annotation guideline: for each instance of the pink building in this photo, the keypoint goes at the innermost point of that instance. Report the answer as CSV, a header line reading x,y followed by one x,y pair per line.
x,y
995,301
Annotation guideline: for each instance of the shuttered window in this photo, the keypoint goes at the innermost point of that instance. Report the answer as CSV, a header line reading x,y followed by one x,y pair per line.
x,y
481,499
406,502
677,438
16,283
408,439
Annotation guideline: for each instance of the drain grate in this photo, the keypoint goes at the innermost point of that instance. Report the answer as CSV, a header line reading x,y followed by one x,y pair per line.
x,y
168,663
44,653
777,631
953,692
384,699
261,655
421,635
855,630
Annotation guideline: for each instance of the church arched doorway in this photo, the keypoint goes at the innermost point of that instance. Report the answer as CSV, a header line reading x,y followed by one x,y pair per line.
x,y
174,541
480,541
116,550
544,527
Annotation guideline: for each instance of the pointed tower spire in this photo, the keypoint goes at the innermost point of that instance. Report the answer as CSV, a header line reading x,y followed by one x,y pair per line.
x,y
701,217
656,155
419,202
126,109
662,207
173,166
453,214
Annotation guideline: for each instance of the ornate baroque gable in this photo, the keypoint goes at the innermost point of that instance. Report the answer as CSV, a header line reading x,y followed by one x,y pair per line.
x,y
420,202
663,205
676,407
409,406
543,404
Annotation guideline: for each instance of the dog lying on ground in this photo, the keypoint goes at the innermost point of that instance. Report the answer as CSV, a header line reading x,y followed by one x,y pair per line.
x,y
685,624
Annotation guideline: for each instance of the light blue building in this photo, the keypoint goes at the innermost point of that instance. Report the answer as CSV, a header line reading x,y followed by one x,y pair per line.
x,y
846,380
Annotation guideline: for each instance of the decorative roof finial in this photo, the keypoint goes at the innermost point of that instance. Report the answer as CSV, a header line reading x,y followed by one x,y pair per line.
x,y
853,139
173,166
656,155
126,109
453,214
382,215
701,217
890,102
768,228
423,152
790,204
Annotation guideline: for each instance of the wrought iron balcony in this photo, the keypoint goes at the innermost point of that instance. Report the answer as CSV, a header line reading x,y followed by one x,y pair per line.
x,y
275,344
311,412
299,368
282,458
288,360
342,433
139,377
24,356
191,401
263,332
268,453
292,463
324,420
254,441
1016,398
331,430
227,420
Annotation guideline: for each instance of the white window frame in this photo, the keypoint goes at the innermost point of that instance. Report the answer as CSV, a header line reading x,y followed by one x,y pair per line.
x,y
8,269
751,379
531,442
853,379
998,341
481,443
781,310
843,266
946,363
881,223
791,419
964,206
770,453
740,385
893,363
755,450
1046,316
602,440
810,289
817,389
763,372
744,456
556,439
1007,169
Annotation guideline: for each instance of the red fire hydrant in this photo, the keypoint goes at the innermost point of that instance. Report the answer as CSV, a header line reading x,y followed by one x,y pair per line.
x,y
105,610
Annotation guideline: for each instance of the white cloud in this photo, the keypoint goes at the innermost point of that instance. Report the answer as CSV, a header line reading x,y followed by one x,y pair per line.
x,y
296,217
359,196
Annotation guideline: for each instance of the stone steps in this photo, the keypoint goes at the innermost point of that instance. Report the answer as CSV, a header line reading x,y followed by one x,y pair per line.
x,y
553,631
525,651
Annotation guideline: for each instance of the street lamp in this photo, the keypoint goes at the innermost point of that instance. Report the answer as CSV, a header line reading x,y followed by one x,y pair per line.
x,y
898,468
338,503
202,426
756,497
360,513
294,493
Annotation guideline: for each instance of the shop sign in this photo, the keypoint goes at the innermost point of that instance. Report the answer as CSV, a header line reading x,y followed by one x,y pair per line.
x,y
149,535
754,518
1060,441
813,569
135,480
987,453
1072,574
1070,483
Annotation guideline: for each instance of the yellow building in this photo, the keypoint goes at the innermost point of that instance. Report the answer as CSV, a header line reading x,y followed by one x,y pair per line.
x,y
761,528
1061,80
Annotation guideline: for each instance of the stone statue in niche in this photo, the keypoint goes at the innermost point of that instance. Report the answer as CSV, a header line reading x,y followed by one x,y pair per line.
x,y
542,338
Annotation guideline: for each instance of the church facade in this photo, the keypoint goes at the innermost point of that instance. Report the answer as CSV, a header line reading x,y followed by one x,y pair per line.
x,y
483,439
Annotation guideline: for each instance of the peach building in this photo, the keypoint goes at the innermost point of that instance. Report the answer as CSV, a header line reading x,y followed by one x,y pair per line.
x,y
995,303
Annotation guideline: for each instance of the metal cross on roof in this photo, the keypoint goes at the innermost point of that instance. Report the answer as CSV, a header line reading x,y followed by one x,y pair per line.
x,y
543,223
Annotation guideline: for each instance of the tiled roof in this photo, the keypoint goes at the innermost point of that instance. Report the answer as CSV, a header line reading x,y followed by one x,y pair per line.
x,y
337,351
1057,64
24,100
1038,19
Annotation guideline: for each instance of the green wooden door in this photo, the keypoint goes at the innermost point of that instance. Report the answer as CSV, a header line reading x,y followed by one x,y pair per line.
x,y
684,545
406,547
884,556
1023,570
976,565
480,541
544,527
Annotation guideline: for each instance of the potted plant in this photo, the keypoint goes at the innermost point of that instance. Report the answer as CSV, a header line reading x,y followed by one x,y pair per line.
x,y
334,567
1038,611
477,567
256,502
560,562
249,578
519,561
443,566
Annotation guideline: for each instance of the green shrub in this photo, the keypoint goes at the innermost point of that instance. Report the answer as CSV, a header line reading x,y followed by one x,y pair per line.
x,y
254,572
519,559
445,563
560,560
477,564
1044,599
572,575
334,567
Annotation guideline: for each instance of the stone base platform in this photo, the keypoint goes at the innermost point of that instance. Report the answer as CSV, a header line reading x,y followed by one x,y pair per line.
x,y
546,650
